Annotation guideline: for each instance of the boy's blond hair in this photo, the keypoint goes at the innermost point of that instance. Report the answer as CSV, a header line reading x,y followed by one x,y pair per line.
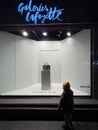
x,y
66,84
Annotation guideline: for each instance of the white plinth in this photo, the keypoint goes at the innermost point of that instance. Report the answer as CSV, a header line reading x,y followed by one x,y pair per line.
x,y
45,79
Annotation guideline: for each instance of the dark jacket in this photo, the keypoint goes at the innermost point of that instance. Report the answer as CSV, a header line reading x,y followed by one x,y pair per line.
x,y
66,101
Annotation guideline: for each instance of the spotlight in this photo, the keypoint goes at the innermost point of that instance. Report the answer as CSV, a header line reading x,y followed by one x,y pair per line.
x,y
25,33
68,34
60,32
44,33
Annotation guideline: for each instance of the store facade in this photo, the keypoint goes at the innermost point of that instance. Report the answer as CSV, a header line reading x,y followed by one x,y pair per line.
x,y
43,44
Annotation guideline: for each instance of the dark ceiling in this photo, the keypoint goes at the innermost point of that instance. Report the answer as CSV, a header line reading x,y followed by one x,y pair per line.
x,y
54,35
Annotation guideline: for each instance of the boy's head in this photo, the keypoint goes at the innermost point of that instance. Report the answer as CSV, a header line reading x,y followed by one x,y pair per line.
x,y
66,86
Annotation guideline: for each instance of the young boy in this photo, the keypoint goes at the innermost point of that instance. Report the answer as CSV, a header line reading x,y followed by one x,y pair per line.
x,y
66,105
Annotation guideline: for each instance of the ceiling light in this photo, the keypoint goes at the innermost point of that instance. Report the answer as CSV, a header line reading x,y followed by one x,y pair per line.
x,y
68,34
58,35
60,32
25,33
44,33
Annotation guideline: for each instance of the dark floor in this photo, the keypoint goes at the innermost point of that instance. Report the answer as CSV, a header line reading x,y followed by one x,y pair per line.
x,y
45,125
43,114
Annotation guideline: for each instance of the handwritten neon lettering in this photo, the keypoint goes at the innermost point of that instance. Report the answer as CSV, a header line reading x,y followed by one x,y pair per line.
x,y
40,13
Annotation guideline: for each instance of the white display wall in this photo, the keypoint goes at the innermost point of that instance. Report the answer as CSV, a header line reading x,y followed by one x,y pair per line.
x,y
21,61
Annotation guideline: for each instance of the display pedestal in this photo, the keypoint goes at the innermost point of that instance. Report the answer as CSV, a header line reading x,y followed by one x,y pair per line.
x,y
45,79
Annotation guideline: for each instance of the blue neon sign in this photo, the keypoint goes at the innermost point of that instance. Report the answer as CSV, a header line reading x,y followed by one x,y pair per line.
x,y
34,13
